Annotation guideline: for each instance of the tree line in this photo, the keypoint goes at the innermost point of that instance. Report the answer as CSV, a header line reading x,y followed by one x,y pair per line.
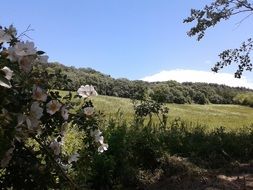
x,y
164,92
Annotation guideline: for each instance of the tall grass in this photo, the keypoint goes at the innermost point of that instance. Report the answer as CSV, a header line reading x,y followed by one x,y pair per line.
x,y
232,117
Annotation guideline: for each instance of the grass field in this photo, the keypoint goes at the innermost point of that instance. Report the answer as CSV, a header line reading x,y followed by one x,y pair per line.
x,y
212,115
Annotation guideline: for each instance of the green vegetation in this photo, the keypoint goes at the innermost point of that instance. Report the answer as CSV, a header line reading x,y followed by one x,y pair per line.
x,y
164,92
244,99
211,115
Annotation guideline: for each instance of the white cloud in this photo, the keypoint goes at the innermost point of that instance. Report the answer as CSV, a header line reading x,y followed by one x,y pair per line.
x,y
182,75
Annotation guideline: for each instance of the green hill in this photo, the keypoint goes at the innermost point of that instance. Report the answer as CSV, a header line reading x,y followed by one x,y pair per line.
x,y
167,92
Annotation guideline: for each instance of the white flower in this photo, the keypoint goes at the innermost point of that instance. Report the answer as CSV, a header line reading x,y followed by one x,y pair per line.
x,y
74,157
12,56
96,134
21,119
64,113
38,94
53,106
25,63
32,123
24,53
88,111
103,147
99,139
87,91
32,120
7,157
36,111
8,72
56,147
4,37
25,48
8,75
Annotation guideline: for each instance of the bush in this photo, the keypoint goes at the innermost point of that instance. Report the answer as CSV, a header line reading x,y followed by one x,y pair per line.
x,y
34,118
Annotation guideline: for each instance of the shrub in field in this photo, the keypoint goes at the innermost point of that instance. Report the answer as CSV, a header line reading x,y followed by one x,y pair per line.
x,y
34,119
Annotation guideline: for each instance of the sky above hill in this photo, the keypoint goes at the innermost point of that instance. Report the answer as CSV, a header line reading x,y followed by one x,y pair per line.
x,y
134,39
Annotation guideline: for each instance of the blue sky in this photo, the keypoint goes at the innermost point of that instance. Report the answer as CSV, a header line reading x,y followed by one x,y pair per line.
x,y
123,38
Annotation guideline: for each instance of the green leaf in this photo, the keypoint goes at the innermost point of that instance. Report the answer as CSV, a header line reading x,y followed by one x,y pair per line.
x,y
40,52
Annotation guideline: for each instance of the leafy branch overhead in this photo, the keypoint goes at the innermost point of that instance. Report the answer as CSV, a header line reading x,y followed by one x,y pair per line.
x,y
211,15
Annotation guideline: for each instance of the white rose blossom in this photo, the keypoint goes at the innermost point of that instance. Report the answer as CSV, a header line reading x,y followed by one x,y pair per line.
x,y
96,134
103,147
8,72
39,94
87,91
21,119
32,123
99,139
36,113
12,56
32,120
25,48
24,53
25,63
6,35
8,75
53,106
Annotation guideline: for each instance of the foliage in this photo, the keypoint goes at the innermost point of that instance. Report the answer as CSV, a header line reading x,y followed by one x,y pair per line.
x,y
138,150
244,99
34,118
211,15
163,92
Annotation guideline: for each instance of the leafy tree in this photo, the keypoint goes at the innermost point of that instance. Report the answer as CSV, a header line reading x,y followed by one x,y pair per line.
x,y
160,93
211,15
200,98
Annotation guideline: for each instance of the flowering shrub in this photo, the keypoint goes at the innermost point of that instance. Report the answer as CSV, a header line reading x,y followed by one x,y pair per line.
x,y
34,119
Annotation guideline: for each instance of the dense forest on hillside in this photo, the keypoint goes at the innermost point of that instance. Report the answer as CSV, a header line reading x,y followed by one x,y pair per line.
x,y
166,92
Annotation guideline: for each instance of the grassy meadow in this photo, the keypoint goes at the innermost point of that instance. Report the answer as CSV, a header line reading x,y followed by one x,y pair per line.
x,y
212,115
